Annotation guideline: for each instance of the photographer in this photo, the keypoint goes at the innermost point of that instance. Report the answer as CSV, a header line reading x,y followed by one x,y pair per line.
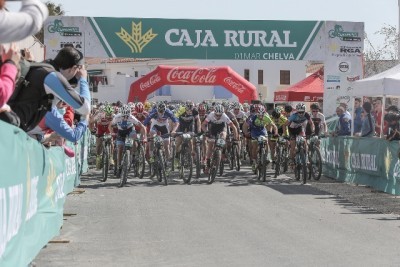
x,y
392,118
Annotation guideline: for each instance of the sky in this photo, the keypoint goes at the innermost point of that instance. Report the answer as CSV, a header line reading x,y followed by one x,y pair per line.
x,y
374,13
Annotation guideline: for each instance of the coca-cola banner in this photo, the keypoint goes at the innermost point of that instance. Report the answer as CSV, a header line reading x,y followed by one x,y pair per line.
x,y
184,38
162,75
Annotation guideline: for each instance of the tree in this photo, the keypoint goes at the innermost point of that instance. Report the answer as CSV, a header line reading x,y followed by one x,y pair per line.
x,y
379,58
54,10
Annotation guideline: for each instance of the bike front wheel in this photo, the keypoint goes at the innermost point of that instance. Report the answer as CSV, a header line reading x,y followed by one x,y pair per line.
x,y
186,168
125,166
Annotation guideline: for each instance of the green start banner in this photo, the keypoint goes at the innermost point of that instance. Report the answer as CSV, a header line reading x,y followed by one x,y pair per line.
x,y
33,184
367,161
108,37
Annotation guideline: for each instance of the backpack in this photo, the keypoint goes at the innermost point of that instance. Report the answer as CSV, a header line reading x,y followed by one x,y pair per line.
x,y
29,100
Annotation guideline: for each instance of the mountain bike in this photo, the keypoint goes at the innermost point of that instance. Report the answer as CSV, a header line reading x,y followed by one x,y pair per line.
x,y
314,156
105,157
300,169
282,156
232,153
125,161
138,159
198,149
160,161
216,163
186,159
262,158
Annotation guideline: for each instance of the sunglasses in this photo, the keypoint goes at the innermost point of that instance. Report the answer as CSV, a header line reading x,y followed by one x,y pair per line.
x,y
315,111
300,112
218,114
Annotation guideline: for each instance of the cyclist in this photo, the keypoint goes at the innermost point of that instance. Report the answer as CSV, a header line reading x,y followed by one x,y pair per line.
x,y
255,127
99,124
189,121
280,121
125,123
218,122
241,118
297,123
159,119
318,120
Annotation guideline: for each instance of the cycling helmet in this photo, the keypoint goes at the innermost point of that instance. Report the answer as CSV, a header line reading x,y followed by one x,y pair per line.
x,y
246,105
301,107
161,107
278,109
189,105
275,114
108,110
288,109
139,108
314,106
218,109
126,110
259,109
252,108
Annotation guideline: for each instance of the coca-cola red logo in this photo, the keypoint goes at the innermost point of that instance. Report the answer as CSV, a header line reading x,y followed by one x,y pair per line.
x,y
234,85
150,82
202,76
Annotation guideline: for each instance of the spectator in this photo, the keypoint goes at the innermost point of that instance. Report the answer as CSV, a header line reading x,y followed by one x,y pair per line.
x,y
392,118
343,126
368,122
378,115
55,120
8,73
357,115
16,26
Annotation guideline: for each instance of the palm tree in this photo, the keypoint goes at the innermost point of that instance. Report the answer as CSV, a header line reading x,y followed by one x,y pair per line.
x,y
54,10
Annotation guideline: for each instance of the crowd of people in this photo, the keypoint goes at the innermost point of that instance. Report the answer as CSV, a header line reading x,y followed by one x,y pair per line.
x,y
43,101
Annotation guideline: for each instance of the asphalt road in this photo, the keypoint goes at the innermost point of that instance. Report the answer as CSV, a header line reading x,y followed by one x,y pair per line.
x,y
236,221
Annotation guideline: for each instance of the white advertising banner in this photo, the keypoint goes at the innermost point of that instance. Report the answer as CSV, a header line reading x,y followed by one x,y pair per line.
x,y
343,63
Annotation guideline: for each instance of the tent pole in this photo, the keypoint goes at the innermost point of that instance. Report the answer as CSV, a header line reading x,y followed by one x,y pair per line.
x,y
382,110
353,114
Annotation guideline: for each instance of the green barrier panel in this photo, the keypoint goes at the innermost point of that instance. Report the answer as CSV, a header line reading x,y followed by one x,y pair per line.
x,y
33,184
368,161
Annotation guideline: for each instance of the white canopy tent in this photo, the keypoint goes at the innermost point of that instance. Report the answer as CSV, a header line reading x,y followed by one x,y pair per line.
x,y
384,84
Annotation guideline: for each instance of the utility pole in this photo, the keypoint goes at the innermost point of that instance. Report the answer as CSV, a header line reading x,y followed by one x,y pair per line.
x,y
398,30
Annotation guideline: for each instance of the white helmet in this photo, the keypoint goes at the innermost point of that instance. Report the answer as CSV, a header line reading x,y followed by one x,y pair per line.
x,y
126,110
301,107
218,109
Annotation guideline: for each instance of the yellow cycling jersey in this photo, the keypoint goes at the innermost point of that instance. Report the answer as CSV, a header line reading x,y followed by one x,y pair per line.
x,y
180,111
265,121
279,122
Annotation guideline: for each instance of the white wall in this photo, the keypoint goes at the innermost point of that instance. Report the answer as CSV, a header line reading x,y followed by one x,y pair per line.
x,y
119,85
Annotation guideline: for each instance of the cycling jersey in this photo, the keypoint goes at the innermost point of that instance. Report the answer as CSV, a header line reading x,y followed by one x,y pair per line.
x,y
319,123
160,120
187,120
124,124
280,122
240,117
257,125
102,122
297,121
217,125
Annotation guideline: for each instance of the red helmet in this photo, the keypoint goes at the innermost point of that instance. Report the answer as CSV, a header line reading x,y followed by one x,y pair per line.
x,y
139,107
